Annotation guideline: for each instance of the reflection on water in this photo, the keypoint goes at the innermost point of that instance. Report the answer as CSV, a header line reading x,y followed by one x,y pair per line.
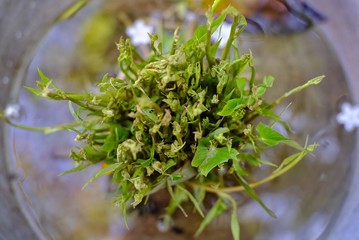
x,y
305,200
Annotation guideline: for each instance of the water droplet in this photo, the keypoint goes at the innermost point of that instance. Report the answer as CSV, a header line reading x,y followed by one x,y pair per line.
x,y
12,110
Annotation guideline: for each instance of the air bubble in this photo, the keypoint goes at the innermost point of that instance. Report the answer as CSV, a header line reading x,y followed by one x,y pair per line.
x,y
12,110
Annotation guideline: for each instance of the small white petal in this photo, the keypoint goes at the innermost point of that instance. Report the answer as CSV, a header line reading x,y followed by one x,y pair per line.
x,y
138,33
349,116
12,110
346,107
341,118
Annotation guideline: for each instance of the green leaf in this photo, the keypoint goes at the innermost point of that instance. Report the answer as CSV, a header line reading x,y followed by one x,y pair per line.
x,y
78,168
196,204
34,91
231,106
43,77
200,33
170,163
149,112
176,177
293,144
215,157
73,113
198,36
215,211
268,81
242,21
218,131
208,157
71,11
253,160
240,64
270,114
239,170
241,84
313,81
235,228
146,163
228,95
201,153
269,136
272,137
154,44
265,162
214,48
261,90
217,22
289,160
200,194
249,158
177,197
292,160
109,144
120,132
181,175
215,4
235,223
250,191
124,214
104,171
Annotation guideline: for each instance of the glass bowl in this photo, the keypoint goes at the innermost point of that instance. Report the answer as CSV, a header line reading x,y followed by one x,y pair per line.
x,y
307,200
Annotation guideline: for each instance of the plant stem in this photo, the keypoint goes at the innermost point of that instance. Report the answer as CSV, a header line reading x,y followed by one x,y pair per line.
x,y
231,38
45,130
274,175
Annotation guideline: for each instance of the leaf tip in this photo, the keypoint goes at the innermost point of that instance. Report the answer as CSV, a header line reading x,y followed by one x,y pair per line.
x,y
317,80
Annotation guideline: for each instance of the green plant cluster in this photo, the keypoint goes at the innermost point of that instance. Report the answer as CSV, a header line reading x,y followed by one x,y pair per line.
x,y
185,120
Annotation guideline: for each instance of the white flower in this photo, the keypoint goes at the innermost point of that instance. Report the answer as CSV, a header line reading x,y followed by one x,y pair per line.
x,y
138,32
12,110
222,33
349,116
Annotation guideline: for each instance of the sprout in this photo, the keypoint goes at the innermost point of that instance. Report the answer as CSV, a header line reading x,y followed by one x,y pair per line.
x,y
181,119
